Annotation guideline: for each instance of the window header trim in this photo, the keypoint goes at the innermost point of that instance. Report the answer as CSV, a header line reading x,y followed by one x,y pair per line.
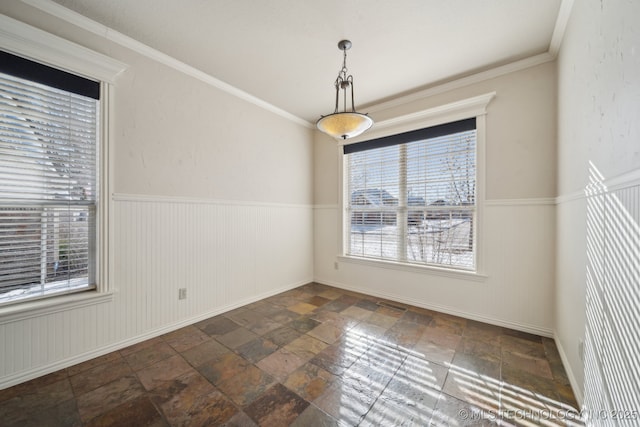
x,y
414,135
24,68
35,44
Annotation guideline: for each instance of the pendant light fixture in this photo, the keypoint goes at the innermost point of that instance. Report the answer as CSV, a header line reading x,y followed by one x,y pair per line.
x,y
345,124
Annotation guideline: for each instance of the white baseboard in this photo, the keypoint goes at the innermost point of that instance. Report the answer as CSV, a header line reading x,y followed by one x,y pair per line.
x,y
577,390
443,309
31,374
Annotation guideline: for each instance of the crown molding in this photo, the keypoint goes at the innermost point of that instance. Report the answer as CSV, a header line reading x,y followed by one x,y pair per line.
x,y
561,26
522,64
94,27
554,47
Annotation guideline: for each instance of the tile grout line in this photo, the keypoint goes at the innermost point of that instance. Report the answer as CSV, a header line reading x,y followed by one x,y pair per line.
x,y
406,356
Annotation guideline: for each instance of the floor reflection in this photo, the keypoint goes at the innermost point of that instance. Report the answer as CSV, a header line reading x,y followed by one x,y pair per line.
x,y
312,356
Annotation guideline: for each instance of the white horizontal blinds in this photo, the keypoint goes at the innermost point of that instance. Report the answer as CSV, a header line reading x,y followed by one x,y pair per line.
x,y
440,180
373,188
441,171
48,188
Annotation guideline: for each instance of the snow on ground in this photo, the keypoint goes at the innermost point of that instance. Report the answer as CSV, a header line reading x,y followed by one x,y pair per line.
x,y
443,242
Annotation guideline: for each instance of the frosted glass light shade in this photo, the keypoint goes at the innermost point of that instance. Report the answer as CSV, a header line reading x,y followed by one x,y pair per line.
x,y
344,125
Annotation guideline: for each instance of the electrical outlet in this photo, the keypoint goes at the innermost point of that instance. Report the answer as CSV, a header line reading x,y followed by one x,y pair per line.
x,y
182,293
335,265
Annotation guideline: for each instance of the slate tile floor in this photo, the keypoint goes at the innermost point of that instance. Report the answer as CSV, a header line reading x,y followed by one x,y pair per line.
x,y
312,356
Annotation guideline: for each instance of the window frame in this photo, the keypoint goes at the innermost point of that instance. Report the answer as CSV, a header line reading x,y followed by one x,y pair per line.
x,y
40,46
460,110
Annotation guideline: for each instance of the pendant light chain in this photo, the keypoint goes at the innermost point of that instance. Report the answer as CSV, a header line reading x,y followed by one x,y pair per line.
x,y
348,123
345,78
342,82
344,62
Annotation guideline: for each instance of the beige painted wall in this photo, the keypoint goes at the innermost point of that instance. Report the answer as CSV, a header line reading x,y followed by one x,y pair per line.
x,y
204,183
521,133
599,100
213,154
519,215
598,129
178,136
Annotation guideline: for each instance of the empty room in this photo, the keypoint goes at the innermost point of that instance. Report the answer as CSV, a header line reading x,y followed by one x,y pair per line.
x,y
319,213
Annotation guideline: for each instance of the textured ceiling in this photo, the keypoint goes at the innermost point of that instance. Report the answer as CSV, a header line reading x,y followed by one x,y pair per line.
x,y
285,51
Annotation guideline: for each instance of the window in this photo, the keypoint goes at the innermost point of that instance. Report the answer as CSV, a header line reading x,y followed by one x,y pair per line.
x,y
48,180
411,197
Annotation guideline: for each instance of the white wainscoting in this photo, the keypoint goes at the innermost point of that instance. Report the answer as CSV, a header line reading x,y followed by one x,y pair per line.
x,y
597,296
515,289
225,253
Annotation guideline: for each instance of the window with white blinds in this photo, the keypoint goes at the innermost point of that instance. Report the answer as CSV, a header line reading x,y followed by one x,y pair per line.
x,y
48,180
411,197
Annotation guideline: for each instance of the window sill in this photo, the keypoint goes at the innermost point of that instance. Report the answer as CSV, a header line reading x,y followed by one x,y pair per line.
x,y
414,268
43,307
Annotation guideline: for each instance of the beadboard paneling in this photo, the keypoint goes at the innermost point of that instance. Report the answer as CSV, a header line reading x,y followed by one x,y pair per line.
x,y
514,290
225,253
612,337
